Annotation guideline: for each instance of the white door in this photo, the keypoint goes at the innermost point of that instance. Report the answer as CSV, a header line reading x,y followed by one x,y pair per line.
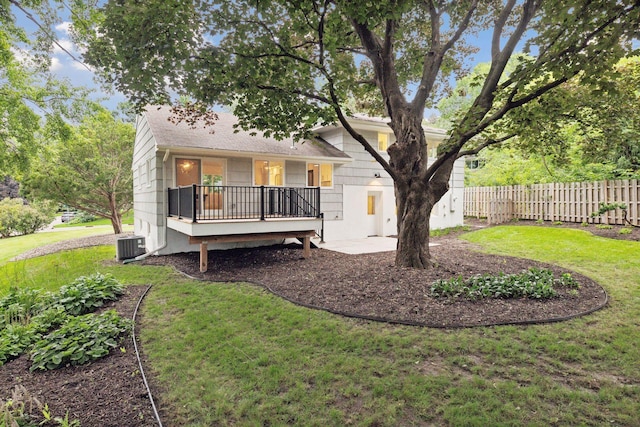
x,y
373,213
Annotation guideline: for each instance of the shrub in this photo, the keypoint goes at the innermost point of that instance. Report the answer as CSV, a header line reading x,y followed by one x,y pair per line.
x,y
17,218
625,231
604,227
82,217
80,340
533,283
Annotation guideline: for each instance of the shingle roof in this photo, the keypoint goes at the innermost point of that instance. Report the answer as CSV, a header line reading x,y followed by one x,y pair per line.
x,y
224,138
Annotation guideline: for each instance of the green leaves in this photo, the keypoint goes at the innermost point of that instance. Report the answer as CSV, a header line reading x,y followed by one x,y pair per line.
x,y
534,283
80,340
91,170
28,316
87,293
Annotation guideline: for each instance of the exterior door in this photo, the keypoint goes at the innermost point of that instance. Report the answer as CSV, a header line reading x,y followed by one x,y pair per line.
x,y
373,213
213,178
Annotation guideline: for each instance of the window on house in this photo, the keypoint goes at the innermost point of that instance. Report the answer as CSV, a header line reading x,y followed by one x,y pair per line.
x,y
371,205
319,174
148,173
268,172
383,141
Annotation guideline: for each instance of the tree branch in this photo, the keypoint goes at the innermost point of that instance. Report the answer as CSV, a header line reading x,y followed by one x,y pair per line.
x,y
484,145
53,39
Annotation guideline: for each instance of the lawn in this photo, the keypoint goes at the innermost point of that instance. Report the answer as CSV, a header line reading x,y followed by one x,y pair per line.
x,y
233,354
12,246
127,219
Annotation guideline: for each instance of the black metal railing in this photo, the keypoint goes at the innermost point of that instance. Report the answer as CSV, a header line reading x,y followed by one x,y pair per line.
x,y
220,202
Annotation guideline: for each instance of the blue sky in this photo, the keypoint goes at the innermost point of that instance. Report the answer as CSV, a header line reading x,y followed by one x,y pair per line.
x,y
64,66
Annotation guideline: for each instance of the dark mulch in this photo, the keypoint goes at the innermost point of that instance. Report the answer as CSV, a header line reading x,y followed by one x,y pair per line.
x,y
110,391
107,392
370,286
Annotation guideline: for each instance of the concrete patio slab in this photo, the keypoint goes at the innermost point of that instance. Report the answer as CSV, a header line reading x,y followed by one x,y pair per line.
x,y
362,246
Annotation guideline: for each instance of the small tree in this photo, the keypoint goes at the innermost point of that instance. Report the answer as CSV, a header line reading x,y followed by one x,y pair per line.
x,y
91,171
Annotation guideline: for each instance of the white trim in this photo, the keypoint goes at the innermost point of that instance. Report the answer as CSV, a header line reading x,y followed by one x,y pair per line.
x,y
208,152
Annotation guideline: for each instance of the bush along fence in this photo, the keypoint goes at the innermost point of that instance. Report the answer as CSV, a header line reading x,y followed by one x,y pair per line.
x,y
568,202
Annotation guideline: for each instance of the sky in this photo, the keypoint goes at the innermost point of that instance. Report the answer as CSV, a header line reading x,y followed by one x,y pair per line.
x,y
65,66
68,65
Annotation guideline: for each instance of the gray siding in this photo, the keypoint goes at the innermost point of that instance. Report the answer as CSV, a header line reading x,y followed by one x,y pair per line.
x,y
295,173
239,171
148,196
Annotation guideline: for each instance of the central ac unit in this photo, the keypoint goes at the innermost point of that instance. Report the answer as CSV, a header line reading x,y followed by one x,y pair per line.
x,y
129,247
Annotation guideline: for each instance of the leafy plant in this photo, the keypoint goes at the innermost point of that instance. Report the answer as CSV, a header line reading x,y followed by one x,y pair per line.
x,y
604,226
87,293
15,339
625,231
584,224
606,207
533,283
557,223
80,340
20,304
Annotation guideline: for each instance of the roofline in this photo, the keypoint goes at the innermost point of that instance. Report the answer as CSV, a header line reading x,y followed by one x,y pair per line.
x,y
247,154
377,124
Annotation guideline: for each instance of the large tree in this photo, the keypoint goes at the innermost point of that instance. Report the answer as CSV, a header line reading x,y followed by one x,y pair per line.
x,y
91,170
288,65
34,104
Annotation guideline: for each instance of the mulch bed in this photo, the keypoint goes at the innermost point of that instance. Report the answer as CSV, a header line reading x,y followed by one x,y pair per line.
x,y
110,391
370,286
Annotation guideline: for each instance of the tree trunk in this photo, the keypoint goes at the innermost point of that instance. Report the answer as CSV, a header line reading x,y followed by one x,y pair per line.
x,y
414,212
116,218
417,190
116,222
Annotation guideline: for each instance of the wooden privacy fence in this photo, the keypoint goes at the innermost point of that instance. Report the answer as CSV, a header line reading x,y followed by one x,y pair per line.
x,y
567,202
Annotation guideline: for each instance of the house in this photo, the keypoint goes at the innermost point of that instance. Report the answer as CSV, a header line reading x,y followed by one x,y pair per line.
x,y
216,188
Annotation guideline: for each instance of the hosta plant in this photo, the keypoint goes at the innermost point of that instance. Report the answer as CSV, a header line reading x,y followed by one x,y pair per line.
x,y
533,283
80,340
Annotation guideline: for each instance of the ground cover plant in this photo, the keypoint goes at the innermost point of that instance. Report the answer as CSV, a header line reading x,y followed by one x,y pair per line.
x,y
235,354
48,325
534,283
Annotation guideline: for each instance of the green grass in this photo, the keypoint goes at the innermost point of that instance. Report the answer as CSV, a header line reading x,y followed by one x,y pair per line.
x,y
233,354
13,246
126,219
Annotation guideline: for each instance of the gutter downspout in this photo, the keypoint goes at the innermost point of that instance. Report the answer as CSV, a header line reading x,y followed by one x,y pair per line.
x,y
164,210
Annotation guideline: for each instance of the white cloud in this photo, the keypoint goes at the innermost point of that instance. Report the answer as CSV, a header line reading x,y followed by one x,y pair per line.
x,y
56,64
64,27
65,44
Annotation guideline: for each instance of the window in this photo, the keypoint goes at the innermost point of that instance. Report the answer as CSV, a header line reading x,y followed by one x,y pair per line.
x,y
148,172
383,141
268,172
371,204
319,174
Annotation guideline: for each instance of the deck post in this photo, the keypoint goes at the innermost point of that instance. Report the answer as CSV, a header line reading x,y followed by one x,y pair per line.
x,y
204,257
306,247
